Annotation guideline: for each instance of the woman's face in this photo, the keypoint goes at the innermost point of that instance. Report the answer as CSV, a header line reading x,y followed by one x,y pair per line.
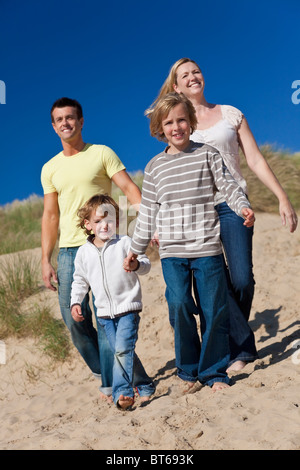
x,y
190,80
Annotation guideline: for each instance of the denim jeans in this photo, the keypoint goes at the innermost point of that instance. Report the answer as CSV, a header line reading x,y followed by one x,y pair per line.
x,y
206,361
92,344
237,244
128,371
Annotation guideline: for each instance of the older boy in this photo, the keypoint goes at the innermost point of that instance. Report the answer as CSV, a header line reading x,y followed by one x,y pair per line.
x,y
178,189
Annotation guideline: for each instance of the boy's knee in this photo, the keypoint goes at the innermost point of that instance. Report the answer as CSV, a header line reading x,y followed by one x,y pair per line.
x,y
182,306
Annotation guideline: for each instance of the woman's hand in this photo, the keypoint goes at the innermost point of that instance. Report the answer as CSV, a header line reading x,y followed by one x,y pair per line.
x,y
288,215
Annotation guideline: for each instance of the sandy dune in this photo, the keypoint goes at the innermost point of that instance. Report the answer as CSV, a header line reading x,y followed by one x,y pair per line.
x,y
47,407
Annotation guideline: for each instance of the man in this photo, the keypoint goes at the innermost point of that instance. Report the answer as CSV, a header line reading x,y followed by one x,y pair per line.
x,y
69,179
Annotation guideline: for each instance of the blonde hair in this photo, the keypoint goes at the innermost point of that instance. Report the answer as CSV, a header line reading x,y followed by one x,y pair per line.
x,y
84,213
171,80
162,109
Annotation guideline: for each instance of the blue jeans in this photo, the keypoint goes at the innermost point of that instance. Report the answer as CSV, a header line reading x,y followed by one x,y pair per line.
x,y
206,361
92,344
237,244
128,371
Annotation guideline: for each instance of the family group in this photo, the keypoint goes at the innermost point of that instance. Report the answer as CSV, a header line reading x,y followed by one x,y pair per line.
x,y
194,205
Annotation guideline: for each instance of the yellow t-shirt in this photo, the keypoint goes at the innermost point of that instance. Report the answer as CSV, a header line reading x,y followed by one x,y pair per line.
x,y
75,179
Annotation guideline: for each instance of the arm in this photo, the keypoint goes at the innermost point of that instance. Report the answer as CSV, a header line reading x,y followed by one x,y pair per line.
x,y
230,190
138,263
50,223
146,221
145,225
144,265
132,192
79,289
129,188
76,313
80,284
129,261
260,167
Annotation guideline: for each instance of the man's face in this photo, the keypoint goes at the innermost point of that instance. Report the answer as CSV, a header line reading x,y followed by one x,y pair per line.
x,y
66,123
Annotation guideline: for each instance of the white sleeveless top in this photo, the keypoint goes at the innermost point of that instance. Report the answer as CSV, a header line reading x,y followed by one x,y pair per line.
x,y
223,136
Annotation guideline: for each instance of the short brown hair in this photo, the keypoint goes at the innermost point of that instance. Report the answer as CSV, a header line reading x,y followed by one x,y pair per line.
x,y
162,109
84,213
64,102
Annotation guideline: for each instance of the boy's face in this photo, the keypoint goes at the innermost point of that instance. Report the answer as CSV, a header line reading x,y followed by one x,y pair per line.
x,y
176,128
103,223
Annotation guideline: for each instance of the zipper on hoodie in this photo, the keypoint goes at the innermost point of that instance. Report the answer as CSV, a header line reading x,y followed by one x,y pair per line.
x,y
105,284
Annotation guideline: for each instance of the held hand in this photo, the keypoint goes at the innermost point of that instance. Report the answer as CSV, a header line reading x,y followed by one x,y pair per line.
x,y
49,273
248,214
288,215
130,262
76,313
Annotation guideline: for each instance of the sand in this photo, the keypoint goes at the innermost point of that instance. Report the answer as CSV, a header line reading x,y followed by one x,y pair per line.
x,y
47,407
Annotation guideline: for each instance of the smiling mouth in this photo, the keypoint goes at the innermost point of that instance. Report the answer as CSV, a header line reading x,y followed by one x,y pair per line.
x,y
178,136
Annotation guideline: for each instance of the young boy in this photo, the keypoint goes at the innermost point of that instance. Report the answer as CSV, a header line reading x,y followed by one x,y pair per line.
x,y
98,264
178,196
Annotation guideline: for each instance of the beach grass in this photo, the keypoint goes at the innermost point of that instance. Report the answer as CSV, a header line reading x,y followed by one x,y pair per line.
x,y
20,225
19,281
286,167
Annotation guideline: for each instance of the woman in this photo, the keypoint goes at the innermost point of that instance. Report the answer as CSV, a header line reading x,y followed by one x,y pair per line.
x,y
225,128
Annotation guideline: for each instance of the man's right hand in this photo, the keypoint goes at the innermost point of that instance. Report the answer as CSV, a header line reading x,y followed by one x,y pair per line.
x,y
49,274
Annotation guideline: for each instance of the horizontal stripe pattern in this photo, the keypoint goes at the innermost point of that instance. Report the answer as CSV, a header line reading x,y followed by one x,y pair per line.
x,y
178,200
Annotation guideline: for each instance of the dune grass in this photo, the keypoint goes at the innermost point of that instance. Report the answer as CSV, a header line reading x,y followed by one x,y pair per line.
x,y
19,280
20,225
286,167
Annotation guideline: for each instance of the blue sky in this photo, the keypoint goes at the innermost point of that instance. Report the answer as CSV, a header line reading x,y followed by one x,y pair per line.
x,y
114,56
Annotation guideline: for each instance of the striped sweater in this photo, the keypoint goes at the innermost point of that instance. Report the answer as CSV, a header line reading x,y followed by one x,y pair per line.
x,y
178,200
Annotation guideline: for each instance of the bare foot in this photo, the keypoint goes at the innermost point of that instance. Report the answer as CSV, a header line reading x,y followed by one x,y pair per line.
x,y
107,398
188,386
219,386
125,402
144,399
191,387
236,366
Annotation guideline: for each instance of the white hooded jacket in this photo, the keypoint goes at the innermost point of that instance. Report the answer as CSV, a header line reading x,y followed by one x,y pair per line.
x,y
115,290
